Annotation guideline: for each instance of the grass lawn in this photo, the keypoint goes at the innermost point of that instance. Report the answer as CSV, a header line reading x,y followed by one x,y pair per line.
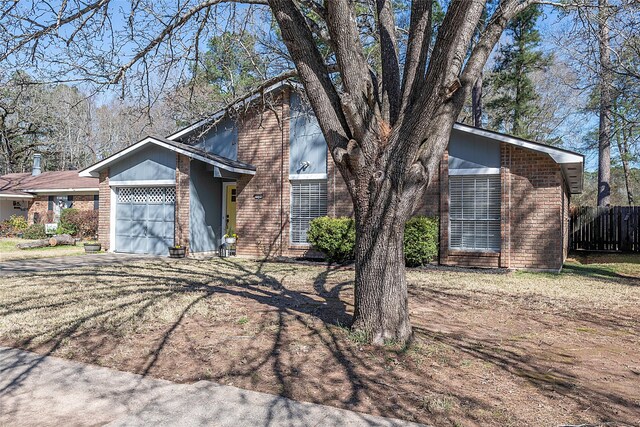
x,y
490,348
9,252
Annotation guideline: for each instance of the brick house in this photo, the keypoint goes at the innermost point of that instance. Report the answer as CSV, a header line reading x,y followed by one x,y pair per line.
x,y
41,196
265,173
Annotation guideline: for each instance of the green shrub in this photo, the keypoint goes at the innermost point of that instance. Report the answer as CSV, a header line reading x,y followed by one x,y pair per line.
x,y
78,223
18,223
420,241
66,224
35,231
334,237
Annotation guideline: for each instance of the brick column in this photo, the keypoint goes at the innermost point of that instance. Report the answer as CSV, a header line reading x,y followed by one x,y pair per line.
x,y
262,216
104,210
183,168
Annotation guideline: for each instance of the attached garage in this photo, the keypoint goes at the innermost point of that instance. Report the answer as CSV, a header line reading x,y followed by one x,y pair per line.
x,y
145,218
160,193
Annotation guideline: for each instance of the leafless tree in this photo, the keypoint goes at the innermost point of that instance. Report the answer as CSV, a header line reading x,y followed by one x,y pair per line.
x,y
602,45
386,126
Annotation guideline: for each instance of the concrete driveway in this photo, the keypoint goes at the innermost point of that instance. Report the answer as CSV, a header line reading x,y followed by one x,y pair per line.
x,y
47,391
38,265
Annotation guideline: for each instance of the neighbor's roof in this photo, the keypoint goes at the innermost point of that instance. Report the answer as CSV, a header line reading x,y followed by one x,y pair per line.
x,y
24,185
189,151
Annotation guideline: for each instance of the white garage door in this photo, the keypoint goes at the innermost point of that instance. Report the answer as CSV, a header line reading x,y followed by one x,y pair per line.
x,y
145,220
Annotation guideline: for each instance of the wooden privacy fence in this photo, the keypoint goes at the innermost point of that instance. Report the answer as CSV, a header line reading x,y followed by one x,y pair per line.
x,y
613,228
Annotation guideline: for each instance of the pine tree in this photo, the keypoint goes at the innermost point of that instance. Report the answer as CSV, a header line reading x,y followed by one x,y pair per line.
x,y
513,104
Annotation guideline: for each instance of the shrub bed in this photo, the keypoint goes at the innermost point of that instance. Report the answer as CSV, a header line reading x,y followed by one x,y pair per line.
x,y
336,238
34,232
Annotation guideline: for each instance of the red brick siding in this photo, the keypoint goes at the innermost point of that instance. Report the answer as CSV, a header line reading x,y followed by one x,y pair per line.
x,y
40,205
182,210
531,211
532,200
535,213
263,141
104,214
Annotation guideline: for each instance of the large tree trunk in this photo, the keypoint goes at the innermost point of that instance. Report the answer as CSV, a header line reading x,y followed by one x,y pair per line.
x,y
381,309
604,131
387,159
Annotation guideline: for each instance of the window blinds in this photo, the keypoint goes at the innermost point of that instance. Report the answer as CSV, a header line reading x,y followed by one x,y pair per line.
x,y
474,212
308,201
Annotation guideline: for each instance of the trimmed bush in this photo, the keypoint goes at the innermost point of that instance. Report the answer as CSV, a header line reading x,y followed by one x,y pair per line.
x,y
334,237
420,241
66,225
35,231
79,223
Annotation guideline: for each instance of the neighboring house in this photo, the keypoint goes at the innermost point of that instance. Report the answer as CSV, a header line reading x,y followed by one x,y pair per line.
x,y
41,196
502,201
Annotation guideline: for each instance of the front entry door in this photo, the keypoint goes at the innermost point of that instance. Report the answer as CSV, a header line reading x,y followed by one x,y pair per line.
x,y
230,208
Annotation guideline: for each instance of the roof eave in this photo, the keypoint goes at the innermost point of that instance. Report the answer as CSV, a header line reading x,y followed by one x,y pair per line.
x,y
15,196
94,170
562,157
61,190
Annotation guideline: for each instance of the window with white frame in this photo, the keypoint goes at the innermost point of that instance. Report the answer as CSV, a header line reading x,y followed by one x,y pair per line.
x,y
308,201
474,212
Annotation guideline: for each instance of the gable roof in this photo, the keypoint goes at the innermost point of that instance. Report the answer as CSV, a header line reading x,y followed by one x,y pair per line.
x,y
178,147
571,163
223,111
24,185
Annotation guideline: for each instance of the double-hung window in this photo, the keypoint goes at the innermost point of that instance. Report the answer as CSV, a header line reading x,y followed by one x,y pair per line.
x,y
474,212
308,201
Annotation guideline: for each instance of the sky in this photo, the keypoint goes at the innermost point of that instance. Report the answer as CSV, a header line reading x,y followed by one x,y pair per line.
x,y
99,48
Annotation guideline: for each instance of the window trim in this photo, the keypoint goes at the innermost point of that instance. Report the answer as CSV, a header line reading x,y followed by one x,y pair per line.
x,y
305,245
471,251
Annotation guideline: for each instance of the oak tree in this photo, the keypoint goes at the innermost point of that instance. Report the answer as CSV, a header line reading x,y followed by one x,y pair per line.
x,y
386,126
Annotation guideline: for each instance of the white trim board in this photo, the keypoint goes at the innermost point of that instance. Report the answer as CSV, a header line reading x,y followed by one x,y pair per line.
x,y
92,170
308,176
113,202
144,183
476,171
15,196
62,190
558,155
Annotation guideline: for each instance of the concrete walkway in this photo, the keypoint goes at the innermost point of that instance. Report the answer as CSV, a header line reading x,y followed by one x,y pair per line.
x,y
38,265
48,391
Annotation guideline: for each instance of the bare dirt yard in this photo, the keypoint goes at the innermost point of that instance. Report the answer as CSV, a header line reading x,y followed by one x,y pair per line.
x,y
490,348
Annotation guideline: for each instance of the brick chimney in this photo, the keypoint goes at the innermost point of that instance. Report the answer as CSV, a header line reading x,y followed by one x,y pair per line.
x,y
35,171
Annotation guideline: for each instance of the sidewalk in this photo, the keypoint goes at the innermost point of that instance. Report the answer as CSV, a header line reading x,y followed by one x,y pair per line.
x,y
48,391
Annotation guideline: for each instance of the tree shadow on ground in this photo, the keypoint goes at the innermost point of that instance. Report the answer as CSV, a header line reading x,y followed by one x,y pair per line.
x,y
279,328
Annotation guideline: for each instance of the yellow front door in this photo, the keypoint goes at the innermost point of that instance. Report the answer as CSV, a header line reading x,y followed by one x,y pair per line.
x,y
230,213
